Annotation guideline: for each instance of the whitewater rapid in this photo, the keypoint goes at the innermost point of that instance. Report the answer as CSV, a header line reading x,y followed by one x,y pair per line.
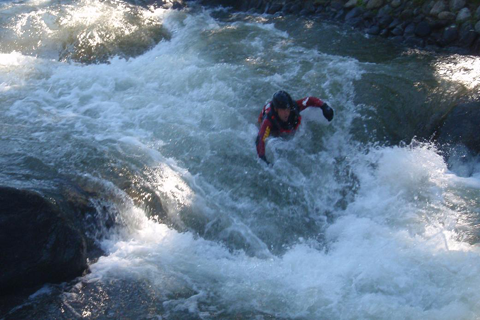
x,y
341,226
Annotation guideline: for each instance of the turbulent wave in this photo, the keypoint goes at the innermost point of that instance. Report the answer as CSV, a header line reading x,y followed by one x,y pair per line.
x,y
86,31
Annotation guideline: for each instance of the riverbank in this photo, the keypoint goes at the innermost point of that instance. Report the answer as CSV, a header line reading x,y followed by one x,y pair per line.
x,y
436,24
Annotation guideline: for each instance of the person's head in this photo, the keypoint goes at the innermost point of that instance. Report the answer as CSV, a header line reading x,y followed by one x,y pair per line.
x,y
282,103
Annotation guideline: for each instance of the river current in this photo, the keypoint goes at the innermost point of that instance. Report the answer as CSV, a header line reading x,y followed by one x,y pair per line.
x,y
355,219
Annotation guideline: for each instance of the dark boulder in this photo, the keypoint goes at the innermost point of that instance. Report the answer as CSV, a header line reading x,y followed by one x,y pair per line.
x,y
369,15
435,38
410,29
396,22
308,9
385,21
287,8
355,22
336,6
177,5
319,9
386,10
374,30
226,3
340,15
296,8
38,244
476,47
398,31
450,34
415,42
406,14
423,29
273,8
398,39
467,38
467,35
461,127
354,13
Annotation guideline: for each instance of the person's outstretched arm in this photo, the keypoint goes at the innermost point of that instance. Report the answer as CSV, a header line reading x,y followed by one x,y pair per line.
x,y
317,103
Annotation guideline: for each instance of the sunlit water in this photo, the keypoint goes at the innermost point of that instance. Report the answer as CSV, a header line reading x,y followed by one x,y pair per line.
x,y
354,219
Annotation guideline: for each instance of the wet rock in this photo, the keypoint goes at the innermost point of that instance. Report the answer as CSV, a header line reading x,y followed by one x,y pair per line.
x,y
476,47
397,31
461,126
398,39
287,8
368,15
177,5
374,4
467,35
456,5
336,6
227,3
467,38
450,34
340,15
38,243
319,9
385,21
384,33
410,29
394,23
439,6
273,8
385,11
419,18
438,24
423,29
356,22
296,8
446,15
415,42
354,13
477,27
435,38
308,9
427,7
406,14
417,11
463,15
350,4
396,3
374,30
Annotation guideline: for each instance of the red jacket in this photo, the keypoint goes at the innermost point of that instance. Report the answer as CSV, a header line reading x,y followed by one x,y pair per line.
x,y
270,124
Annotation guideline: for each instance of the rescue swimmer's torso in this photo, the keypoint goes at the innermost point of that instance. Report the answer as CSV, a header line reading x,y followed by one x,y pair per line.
x,y
278,127
270,123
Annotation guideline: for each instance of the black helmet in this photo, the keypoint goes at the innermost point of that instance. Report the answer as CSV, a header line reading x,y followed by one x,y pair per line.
x,y
282,100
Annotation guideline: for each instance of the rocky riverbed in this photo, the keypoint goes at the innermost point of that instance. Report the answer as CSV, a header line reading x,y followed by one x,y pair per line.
x,y
434,24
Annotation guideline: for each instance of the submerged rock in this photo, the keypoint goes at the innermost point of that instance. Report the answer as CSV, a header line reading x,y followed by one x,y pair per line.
x,y
38,243
461,127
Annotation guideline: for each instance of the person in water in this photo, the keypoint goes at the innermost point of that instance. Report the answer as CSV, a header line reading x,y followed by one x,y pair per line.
x,y
282,116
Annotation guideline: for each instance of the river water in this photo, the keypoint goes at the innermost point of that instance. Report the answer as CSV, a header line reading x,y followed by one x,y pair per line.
x,y
154,112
